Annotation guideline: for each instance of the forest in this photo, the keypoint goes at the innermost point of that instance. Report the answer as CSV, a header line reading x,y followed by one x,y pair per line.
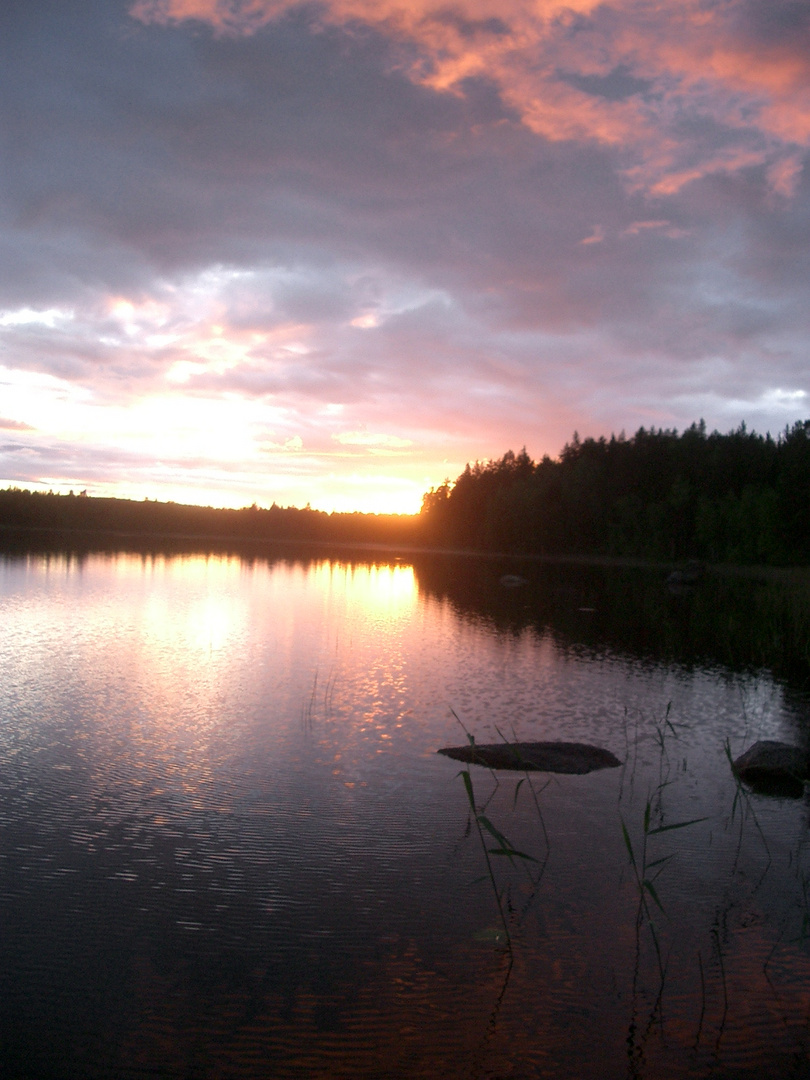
x,y
22,509
735,498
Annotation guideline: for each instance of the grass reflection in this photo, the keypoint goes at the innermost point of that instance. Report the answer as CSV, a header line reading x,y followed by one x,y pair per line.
x,y
744,619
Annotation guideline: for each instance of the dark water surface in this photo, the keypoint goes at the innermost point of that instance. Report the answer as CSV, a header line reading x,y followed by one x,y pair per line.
x,y
229,848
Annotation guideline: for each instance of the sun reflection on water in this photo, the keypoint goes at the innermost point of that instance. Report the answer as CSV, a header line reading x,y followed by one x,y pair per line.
x,y
376,586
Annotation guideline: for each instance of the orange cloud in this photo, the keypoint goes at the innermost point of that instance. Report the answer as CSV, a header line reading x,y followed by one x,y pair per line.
x,y
690,63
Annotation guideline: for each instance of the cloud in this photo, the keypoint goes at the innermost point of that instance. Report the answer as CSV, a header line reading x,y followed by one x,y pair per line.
x,y
596,237
626,74
14,425
371,441
246,232
784,175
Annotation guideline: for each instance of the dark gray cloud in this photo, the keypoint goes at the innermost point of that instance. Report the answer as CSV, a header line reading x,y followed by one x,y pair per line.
x,y
616,85
767,23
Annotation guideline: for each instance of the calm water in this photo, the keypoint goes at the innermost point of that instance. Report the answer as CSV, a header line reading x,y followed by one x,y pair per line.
x,y
229,848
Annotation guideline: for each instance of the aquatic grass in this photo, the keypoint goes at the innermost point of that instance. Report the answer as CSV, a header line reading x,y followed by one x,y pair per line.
x,y
468,787
308,708
488,831
504,847
660,736
715,932
311,706
661,731
329,691
628,753
640,865
533,878
647,871
743,800
804,932
526,779
658,957
702,1002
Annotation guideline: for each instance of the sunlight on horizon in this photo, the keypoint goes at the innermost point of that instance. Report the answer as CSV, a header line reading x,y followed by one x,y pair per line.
x,y
375,499
222,451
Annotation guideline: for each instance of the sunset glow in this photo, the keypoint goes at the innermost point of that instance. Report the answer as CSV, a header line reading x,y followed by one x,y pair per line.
x,y
264,251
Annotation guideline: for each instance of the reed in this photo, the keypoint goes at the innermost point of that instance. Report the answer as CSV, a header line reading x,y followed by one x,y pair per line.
x,y
658,959
647,871
503,847
487,833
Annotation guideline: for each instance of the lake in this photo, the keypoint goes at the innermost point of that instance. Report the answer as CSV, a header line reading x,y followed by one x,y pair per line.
x,y
230,849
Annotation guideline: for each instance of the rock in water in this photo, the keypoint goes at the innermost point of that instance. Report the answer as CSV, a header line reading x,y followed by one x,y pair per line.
x,y
775,766
557,757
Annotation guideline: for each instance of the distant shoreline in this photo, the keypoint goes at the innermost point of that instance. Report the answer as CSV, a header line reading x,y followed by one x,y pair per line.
x,y
786,574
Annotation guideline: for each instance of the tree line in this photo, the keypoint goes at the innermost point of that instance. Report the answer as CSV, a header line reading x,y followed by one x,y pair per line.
x,y
738,498
23,509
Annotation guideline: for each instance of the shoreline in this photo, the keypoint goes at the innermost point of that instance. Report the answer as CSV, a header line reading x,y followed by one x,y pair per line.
x,y
785,574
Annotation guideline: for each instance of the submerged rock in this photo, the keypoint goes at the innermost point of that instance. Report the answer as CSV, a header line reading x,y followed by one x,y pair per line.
x,y
557,757
513,581
774,767
690,574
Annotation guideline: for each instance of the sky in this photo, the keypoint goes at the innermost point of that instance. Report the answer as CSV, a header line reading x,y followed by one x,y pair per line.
x,y
328,252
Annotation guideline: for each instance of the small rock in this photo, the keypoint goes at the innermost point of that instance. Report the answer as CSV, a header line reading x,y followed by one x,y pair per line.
x,y
557,757
513,581
775,766
690,574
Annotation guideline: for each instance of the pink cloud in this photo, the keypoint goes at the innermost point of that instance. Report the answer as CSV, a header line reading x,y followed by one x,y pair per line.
x,y
784,175
694,65
596,237
14,425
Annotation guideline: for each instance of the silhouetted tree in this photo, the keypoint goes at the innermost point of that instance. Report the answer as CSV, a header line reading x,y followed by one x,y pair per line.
x,y
740,497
